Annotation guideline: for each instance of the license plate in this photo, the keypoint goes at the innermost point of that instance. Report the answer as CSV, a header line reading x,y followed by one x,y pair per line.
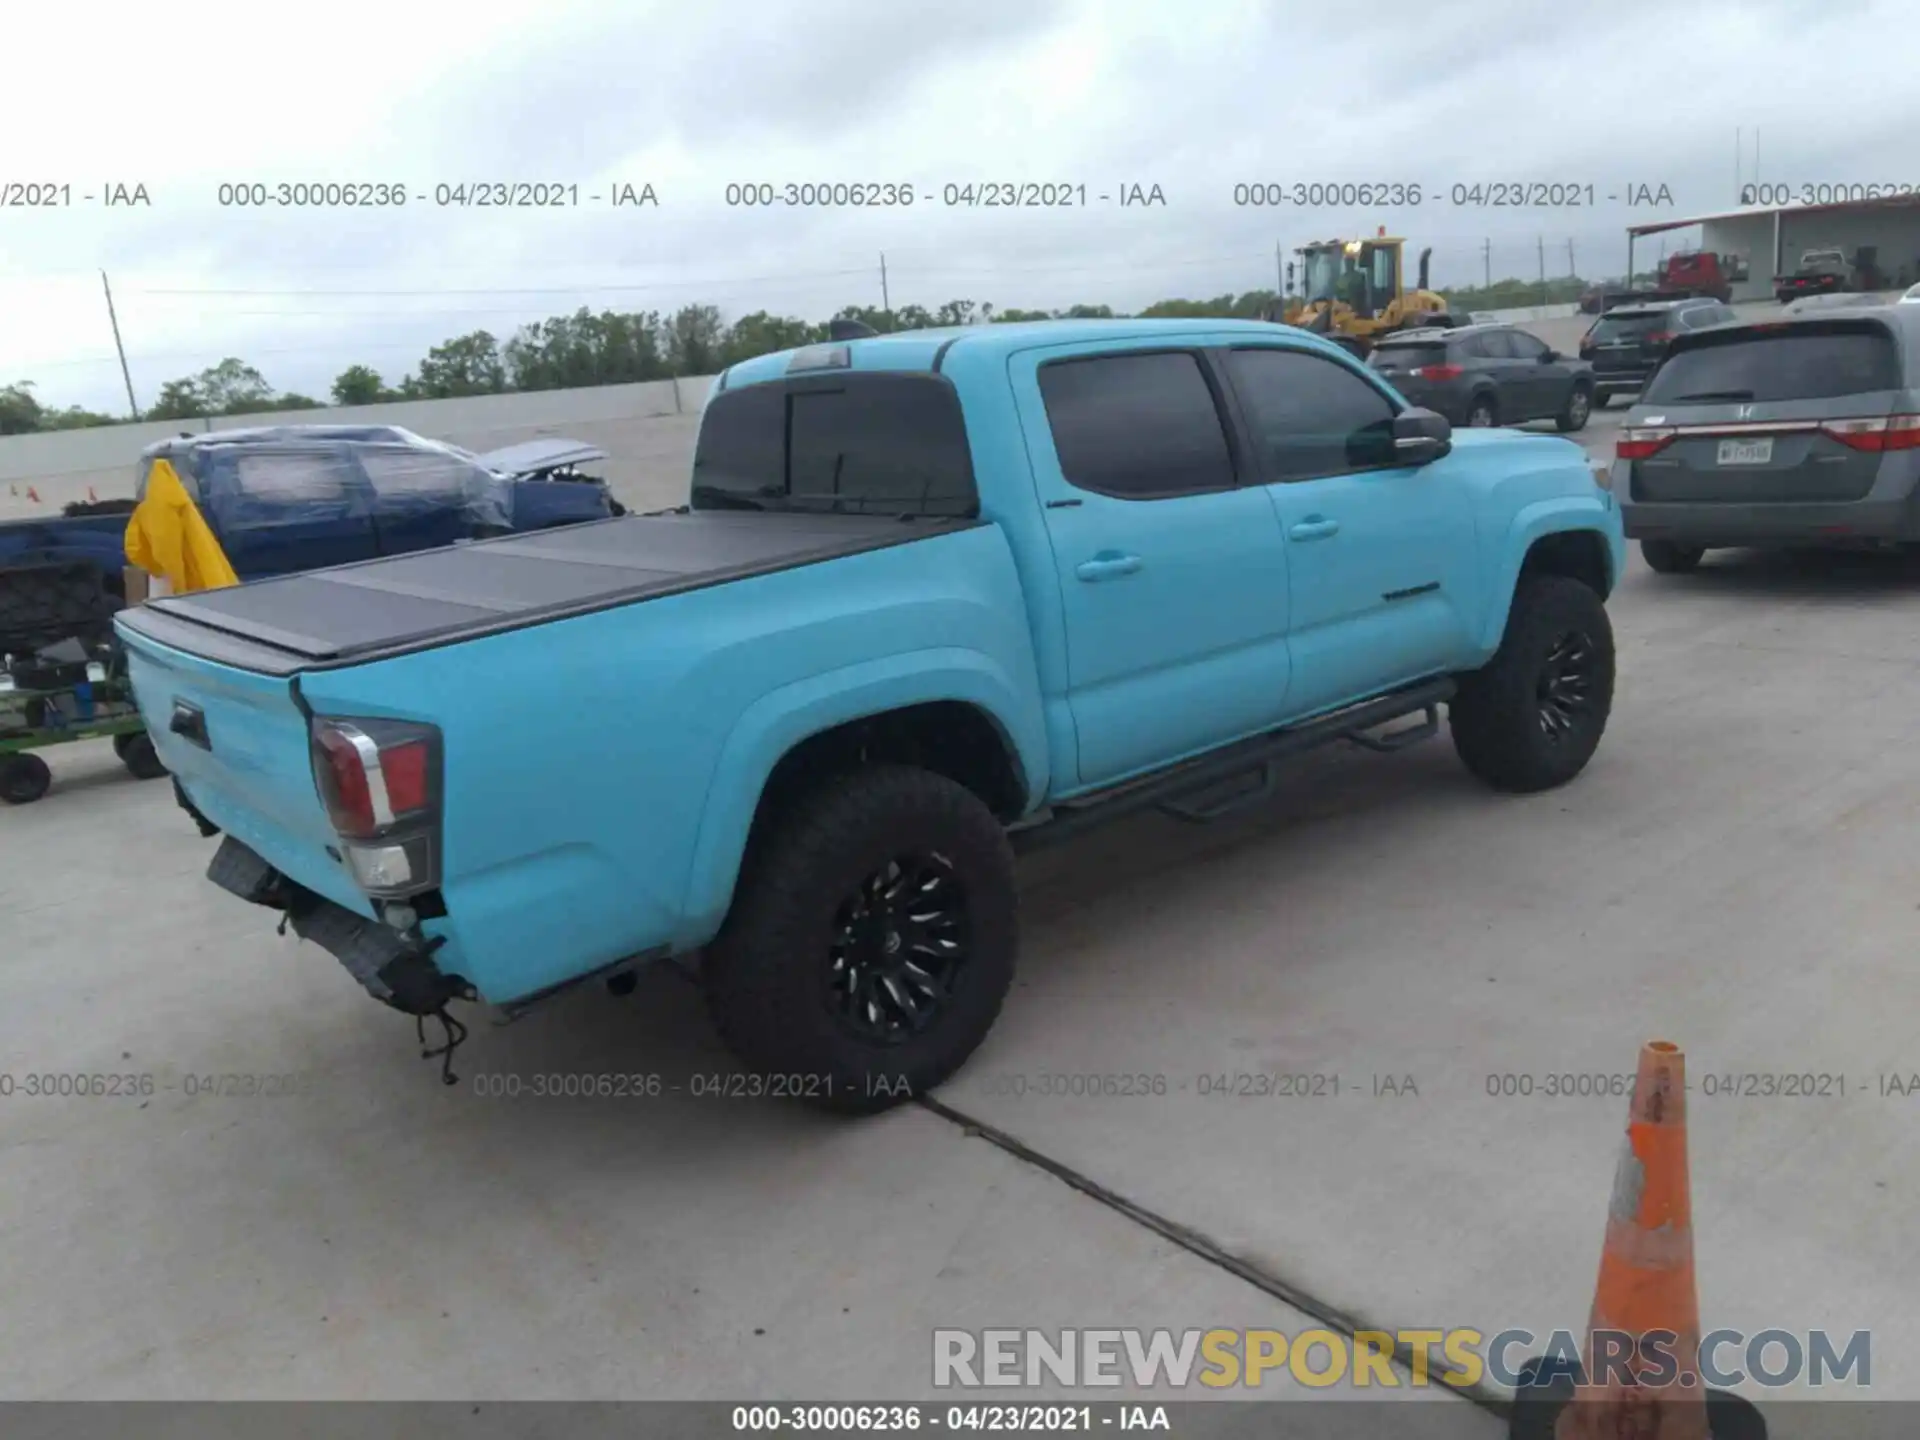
x,y
1746,452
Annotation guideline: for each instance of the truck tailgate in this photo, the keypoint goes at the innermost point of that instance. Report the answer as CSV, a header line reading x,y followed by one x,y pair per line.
x,y
378,608
238,743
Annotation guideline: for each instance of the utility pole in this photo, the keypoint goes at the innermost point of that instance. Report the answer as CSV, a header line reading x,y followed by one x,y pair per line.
x,y
114,320
1486,262
1541,242
1573,272
886,302
1279,269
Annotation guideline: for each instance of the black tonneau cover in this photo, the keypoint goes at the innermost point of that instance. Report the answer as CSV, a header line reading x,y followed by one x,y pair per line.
x,y
377,608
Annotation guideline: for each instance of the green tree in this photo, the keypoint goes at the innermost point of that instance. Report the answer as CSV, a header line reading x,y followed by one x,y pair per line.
x,y
233,387
762,334
20,412
694,338
179,400
75,418
358,385
469,365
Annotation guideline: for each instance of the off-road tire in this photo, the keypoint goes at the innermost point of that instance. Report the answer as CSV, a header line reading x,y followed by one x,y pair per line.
x,y
765,974
1669,557
1497,714
1480,404
24,777
139,756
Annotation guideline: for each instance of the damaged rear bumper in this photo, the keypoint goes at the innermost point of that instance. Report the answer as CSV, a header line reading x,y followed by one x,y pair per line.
x,y
394,966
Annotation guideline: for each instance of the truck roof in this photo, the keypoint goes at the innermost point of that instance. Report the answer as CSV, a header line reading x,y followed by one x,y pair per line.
x,y
926,349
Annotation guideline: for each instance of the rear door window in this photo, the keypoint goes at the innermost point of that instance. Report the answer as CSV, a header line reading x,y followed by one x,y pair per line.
x,y
1800,363
1138,427
874,444
1494,345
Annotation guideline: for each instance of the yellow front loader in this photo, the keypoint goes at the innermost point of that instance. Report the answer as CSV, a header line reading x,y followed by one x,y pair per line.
x,y
1354,291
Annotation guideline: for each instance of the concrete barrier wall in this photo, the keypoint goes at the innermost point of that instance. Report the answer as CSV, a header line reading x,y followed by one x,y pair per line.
x,y
1528,313
647,431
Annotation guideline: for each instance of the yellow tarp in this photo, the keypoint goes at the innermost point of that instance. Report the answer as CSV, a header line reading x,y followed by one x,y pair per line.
x,y
168,537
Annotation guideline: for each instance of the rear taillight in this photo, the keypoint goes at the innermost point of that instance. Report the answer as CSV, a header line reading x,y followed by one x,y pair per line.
x,y
1638,444
1878,434
380,782
1438,372
1659,337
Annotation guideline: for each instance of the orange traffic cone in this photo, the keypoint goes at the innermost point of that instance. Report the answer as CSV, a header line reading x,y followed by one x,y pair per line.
x,y
1640,1369
1646,1285
33,494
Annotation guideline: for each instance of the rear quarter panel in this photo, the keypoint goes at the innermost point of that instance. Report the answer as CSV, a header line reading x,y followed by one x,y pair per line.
x,y
602,772
1522,488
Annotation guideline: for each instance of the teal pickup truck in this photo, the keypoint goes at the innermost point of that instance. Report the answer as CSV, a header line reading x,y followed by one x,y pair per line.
x,y
936,598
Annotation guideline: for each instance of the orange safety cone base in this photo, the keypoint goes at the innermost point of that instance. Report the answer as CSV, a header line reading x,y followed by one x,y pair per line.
x,y
1546,1387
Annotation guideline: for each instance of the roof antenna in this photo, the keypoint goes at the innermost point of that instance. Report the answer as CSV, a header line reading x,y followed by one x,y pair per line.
x,y
849,330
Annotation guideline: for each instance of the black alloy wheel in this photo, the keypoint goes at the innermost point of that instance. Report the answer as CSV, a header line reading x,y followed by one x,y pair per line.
x,y
899,944
1567,684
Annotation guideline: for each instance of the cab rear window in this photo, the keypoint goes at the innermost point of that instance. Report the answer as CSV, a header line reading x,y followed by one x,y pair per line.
x,y
873,444
1797,363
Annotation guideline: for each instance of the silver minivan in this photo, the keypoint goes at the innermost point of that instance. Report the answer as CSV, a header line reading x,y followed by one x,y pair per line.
x,y
1789,432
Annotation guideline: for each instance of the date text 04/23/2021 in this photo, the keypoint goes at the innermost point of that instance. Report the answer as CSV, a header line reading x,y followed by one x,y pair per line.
x,y
461,195
1464,195
54,194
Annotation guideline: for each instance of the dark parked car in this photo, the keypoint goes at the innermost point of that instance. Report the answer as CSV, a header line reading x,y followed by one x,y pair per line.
x,y
1821,272
1625,345
1486,375
1801,431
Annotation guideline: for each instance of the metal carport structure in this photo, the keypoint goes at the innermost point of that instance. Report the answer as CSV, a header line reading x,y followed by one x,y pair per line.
x,y
1768,236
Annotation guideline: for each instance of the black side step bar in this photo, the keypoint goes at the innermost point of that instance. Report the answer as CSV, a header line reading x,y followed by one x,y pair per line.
x,y
1242,774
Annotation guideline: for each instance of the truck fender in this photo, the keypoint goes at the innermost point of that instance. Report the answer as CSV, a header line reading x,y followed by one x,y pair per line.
x,y
1531,524
769,728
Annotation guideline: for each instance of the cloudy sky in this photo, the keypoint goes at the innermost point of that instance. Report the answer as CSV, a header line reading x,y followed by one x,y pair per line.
x,y
1192,96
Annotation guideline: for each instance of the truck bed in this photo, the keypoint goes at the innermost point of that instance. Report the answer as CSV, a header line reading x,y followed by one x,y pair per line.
x,y
379,608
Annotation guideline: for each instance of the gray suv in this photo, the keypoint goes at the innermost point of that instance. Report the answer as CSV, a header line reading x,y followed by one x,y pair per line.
x,y
1802,431
1486,375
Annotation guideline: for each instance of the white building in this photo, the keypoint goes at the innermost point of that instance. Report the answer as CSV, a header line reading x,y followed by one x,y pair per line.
x,y
1770,239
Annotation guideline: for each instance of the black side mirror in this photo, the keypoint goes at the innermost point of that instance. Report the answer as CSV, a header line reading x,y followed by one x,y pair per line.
x,y
1420,436
1549,356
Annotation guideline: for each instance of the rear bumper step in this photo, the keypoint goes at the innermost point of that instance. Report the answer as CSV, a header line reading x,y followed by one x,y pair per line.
x,y
393,966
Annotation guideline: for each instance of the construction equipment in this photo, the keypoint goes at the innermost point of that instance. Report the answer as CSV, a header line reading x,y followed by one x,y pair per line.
x,y
1354,291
